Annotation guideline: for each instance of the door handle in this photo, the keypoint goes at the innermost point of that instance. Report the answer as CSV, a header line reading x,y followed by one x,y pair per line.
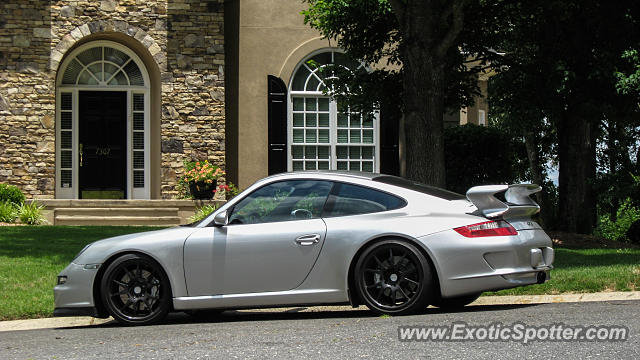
x,y
306,240
80,150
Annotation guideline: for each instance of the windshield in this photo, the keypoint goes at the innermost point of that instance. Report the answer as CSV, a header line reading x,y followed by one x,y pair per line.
x,y
416,186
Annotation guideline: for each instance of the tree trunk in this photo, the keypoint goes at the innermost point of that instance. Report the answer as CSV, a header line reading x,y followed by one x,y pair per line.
x,y
423,123
576,151
429,30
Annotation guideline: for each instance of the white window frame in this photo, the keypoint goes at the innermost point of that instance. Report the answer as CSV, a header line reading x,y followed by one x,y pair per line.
x,y
482,117
73,191
333,119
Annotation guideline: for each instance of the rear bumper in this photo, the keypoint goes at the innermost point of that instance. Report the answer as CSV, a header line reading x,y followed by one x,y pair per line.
x,y
473,265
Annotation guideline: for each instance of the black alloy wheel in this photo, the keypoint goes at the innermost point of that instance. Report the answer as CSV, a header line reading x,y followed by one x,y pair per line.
x,y
135,290
393,277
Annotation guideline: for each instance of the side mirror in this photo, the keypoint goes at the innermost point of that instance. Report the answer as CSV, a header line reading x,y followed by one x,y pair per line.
x,y
221,219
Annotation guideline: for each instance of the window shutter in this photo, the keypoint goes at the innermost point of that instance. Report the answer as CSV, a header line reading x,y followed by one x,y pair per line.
x,y
389,136
277,125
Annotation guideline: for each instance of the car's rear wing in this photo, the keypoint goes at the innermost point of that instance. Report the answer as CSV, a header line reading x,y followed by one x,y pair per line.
x,y
518,202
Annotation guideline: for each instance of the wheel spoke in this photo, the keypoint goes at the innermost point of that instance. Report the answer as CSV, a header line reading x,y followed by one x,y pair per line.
x,y
121,292
411,281
130,275
121,283
379,293
374,285
403,293
380,264
372,270
126,304
401,258
391,257
148,304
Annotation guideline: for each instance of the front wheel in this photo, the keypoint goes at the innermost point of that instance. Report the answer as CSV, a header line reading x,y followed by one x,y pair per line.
x,y
393,277
135,290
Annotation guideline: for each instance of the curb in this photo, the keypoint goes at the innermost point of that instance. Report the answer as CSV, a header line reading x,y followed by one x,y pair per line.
x,y
80,321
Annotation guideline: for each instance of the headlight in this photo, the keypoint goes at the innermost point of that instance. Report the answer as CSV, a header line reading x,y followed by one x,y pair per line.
x,y
81,251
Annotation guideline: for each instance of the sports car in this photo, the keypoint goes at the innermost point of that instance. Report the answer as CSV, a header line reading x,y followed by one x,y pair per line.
x,y
311,238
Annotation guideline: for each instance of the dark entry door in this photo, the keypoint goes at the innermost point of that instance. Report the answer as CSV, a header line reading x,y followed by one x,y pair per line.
x,y
102,144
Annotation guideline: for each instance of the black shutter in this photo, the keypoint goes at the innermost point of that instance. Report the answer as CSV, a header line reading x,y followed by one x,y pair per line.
x,y
277,125
389,136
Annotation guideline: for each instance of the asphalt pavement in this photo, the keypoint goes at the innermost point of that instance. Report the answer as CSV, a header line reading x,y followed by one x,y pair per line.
x,y
335,332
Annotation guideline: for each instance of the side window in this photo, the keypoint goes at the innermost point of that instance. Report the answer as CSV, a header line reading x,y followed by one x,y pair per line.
x,y
353,200
282,201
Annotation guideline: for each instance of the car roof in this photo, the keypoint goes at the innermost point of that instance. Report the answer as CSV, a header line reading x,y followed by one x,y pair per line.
x,y
320,173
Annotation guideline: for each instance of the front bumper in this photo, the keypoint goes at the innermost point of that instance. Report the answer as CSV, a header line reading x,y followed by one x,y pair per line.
x,y
473,265
75,297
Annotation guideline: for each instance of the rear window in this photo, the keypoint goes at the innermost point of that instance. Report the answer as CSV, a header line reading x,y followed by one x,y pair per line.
x,y
346,199
416,186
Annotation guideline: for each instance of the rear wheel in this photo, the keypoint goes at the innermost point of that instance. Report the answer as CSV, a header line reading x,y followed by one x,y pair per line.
x,y
135,290
393,277
455,302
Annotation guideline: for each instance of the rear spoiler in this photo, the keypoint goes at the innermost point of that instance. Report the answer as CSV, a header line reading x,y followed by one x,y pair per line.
x,y
518,204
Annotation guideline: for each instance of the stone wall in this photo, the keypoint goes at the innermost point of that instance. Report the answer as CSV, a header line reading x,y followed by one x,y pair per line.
x,y
185,39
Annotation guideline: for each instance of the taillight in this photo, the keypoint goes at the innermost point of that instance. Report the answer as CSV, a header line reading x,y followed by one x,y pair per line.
x,y
489,228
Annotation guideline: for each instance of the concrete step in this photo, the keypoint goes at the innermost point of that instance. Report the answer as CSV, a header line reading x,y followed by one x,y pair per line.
x,y
116,220
117,211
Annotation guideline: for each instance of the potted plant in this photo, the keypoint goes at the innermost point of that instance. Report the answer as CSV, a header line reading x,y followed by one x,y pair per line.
x,y
201,177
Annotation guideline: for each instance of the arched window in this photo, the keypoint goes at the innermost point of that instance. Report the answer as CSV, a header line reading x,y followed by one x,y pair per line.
x,y
102,65
323,136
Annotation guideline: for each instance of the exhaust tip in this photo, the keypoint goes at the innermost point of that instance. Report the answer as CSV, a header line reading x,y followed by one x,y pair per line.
x,y
541,277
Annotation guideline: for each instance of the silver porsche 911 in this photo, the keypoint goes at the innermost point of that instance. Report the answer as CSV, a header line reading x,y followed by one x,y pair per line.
x,y
318,238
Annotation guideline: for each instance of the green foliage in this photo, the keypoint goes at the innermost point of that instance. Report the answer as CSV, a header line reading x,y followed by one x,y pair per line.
x,y
8,212
12,194
629,80
202,212
31,213
617,229
497,158
32,256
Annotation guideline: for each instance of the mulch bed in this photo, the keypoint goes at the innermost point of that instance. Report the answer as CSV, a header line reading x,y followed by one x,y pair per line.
x,y
10,224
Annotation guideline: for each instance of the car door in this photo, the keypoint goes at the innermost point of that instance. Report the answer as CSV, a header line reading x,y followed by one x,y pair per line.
x,y
272,240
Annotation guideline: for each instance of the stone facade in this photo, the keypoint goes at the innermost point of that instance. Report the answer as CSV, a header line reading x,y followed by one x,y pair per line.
x,y
184,38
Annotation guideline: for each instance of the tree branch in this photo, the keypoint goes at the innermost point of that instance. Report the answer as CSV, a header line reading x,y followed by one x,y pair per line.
x,y
399,9
456,10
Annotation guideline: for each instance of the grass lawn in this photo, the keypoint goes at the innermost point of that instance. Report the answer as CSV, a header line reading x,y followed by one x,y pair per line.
x,y
587,270
32,256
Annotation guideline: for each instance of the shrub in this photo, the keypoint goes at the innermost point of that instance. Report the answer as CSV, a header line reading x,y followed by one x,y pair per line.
x,y
8,212
31,213
616,230
202,212
12,194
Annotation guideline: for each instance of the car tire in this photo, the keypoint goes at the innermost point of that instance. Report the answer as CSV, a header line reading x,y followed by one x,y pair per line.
x,y
455,302
135,290
393,277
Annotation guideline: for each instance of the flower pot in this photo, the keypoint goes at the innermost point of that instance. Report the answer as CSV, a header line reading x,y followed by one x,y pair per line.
x,y
202,190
